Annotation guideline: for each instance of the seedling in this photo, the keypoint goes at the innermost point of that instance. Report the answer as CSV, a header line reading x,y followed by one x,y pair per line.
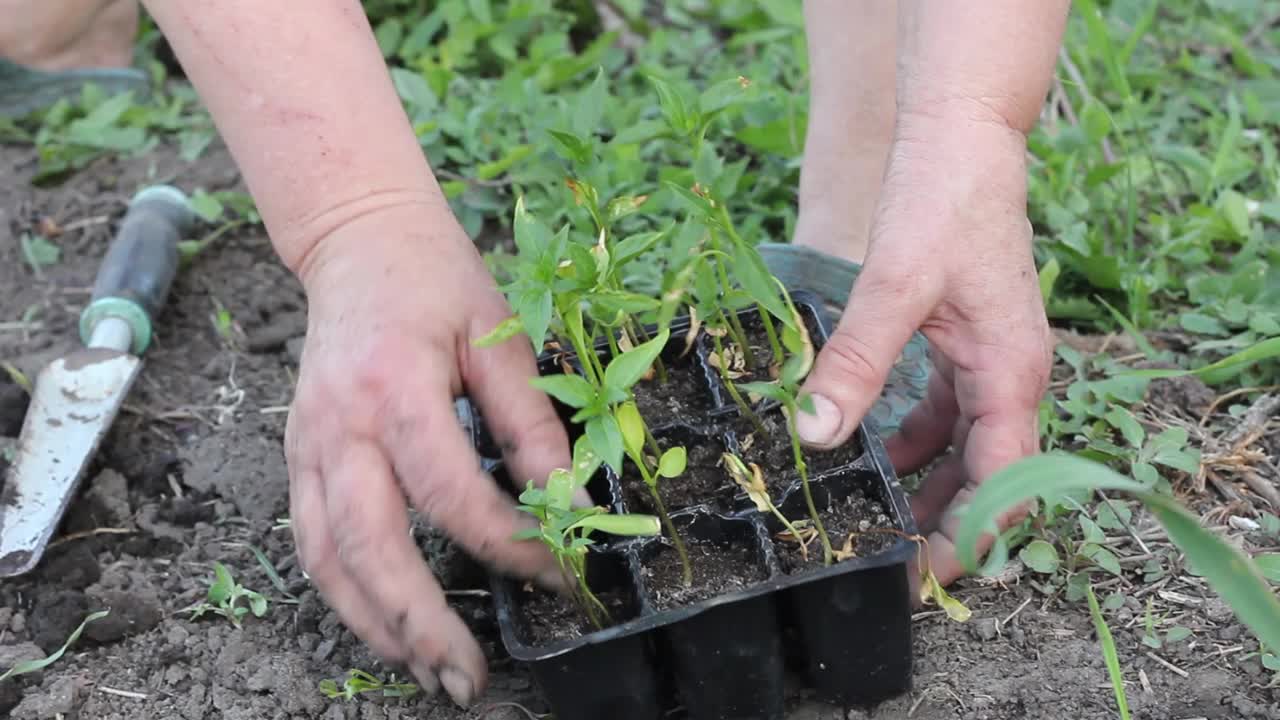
x,y
752,481
359,682
670,465
566,530
224,596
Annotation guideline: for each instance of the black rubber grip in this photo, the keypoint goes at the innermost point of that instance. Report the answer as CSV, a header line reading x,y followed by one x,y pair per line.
x,y
143,259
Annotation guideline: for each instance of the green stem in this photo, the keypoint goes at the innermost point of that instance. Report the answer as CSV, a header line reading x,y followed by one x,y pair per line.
x,y
614,351
733,389
772,332
804,482
652,482
790,528
588,367
739,335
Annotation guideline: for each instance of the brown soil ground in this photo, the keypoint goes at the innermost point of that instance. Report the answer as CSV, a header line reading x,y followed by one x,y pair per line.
x,y
193,473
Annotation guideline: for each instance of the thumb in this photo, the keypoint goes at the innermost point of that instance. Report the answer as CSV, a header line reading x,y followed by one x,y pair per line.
x,y
852,367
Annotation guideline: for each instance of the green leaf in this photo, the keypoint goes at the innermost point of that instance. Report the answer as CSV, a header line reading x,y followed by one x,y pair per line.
x,y
533,307
632,427
606,440
223,585
1230,572
257,603
1048,277
560,487
585,461
1109,655
672,463
1040,556
751,272
504,331
589,108
626,369
625,525
531,235
674,107
572,390
575,148
39,252
931,589
1101,557
634,246
770,390
31,666
1121,419
1269,565
205,205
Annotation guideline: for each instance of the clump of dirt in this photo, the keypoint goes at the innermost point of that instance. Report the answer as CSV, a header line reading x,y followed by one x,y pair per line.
x,y
849,524
717,569
703,480
683,397
1188,394
547,618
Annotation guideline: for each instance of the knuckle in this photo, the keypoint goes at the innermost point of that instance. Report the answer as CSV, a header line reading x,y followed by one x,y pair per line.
x,y
849,361
356,543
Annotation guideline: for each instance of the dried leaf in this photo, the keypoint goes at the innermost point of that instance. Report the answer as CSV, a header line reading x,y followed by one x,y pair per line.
x,y
694,324
845,552
932,591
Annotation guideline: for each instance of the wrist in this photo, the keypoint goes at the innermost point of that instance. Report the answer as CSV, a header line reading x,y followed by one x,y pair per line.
x,y
961,148
382,225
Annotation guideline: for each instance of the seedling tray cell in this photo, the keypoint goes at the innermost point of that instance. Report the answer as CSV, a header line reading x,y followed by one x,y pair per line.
x,y
757,609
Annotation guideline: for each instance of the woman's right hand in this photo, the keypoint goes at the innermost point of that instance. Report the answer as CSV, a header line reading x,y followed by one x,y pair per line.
x,y
395,298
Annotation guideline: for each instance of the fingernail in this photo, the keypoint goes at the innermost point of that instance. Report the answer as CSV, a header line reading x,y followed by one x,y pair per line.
x,y
458,685
821,427
427,681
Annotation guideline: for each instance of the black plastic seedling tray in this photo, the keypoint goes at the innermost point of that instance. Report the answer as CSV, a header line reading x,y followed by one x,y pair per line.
x,y
844,630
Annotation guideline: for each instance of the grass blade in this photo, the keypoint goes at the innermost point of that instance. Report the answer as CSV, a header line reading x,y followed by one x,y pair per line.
x,y
30,666
1109,653
1262,350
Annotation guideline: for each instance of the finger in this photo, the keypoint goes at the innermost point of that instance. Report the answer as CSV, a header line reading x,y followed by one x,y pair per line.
x,y
926,430
441,476
520,417
993,443
371,534
318,556
937,492
851,369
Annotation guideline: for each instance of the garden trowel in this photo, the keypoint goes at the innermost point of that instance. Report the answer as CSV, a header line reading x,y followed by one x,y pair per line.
x,y
76,397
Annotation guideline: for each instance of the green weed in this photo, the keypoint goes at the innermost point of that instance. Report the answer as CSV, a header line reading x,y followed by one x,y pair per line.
x,y
224,598
358,682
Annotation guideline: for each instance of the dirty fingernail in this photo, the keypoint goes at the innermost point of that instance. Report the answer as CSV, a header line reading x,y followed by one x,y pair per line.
x,y
821,427
458,685
426,678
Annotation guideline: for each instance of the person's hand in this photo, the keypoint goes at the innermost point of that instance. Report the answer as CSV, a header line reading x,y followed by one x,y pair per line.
x,y
395,298
950,255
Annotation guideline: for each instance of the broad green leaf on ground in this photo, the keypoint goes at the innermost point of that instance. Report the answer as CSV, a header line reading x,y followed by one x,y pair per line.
x,y
1231,573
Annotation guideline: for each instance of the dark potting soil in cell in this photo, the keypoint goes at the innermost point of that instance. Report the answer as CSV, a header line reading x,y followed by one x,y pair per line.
x,y
702,481
717,570
856,514
683,397
761,359
547,618
774,455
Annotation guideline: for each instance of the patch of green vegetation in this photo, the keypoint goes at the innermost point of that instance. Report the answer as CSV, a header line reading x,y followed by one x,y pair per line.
x,y
31,666
224,598
358,682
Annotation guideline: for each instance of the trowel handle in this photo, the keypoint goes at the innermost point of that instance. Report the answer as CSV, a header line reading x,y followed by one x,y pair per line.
x,y
135,276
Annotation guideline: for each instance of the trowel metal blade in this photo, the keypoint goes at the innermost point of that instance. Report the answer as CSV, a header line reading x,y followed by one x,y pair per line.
x,y
73,404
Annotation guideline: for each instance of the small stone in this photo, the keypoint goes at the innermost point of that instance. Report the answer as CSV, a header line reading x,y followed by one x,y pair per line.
x,y
863,526
177,635
18,623
986,629
325,649
262,680
131,614
175,674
